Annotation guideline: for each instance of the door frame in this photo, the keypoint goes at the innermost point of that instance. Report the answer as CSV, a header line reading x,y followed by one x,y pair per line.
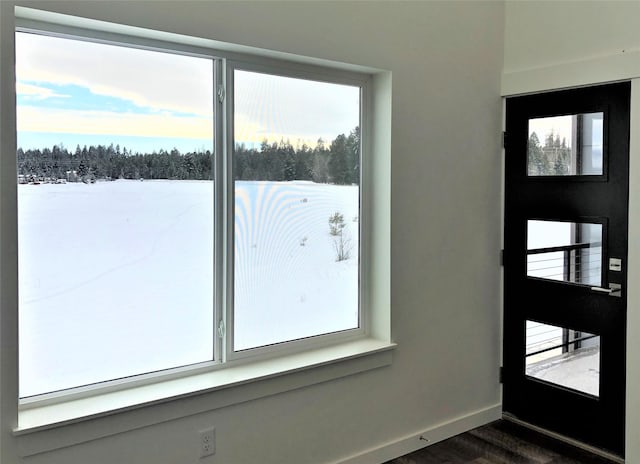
x,y
593,70
632,413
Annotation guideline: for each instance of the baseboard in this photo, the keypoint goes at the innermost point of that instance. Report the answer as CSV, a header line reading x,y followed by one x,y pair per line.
x,y
425,437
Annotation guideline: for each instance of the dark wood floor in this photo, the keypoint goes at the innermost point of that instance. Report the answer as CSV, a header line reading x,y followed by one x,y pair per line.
x,y
500,442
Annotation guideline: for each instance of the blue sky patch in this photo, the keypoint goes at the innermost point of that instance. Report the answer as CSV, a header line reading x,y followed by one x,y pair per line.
x,y
75,97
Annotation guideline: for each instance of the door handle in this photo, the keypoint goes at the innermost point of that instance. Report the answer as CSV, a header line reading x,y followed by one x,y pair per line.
x,y
613,290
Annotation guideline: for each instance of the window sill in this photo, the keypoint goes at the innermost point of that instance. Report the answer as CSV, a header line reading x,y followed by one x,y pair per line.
x,y
46,428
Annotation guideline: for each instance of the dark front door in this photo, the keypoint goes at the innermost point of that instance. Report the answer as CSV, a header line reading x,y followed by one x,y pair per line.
x,y
565,262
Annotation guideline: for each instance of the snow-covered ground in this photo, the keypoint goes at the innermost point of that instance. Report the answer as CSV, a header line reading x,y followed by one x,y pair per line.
x,y
288,284
116,277
579,370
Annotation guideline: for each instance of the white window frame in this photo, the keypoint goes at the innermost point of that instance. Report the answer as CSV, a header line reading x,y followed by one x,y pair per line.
x,y
330,356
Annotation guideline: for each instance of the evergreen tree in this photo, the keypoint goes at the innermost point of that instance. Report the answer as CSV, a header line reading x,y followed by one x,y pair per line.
x,y
320,163
562,164
339,170
537,163
353,147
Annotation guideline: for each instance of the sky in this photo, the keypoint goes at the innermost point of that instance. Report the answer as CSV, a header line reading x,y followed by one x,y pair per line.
x,y
72,92
563,127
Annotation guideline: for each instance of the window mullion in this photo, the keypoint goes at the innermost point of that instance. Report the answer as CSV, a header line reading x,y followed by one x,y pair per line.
x,y
219,211
226,188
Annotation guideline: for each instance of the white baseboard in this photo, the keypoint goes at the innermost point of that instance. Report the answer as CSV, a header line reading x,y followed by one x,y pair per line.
x,y
425,437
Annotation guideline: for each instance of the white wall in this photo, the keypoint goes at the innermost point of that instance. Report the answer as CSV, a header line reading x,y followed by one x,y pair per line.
x,y
538,35
562,44
446,60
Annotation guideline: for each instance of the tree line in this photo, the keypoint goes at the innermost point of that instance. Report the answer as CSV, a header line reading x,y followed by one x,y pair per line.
x,y
110,162
337,163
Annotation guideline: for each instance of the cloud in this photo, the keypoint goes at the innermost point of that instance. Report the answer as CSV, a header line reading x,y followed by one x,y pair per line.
x,y
163,81
55,120
558,125
276,107
35,92
151,94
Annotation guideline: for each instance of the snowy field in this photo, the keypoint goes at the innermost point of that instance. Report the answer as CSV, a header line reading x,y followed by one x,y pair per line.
x,y
116,277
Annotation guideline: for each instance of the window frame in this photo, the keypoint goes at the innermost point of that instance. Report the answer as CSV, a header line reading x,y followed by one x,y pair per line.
x,y
224,65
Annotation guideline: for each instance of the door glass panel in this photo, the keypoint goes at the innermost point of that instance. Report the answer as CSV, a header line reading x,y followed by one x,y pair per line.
x,y
564,357
565,251
566,145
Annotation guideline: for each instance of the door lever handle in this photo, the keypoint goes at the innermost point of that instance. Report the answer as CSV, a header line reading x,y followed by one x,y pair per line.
x,y
604,290
613,290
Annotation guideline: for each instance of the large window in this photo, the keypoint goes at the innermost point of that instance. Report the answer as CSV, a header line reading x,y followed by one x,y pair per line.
x,y
146,243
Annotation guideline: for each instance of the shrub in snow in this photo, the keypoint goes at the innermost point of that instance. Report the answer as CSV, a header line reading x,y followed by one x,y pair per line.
x,y
342,244
336,224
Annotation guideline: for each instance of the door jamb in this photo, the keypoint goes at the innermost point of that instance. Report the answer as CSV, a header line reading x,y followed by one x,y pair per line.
x,y
632,410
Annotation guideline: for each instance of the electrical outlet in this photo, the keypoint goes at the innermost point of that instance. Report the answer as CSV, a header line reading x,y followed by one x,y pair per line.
x,y
207,442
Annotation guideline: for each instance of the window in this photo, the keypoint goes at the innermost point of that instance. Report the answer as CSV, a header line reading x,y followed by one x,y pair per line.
x,y
565,251
296,170
569,145
561,356
146,244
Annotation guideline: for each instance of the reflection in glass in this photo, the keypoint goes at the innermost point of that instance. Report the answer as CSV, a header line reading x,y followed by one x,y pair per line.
x,y
566,145
565,251
564,357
